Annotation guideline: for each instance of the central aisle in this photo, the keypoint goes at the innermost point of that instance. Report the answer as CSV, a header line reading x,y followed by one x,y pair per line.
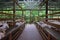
x,y
30,33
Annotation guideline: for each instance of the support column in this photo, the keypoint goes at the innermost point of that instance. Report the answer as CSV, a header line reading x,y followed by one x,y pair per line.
x,y
46,10
22,13
38,16
52,15
30,16
13,12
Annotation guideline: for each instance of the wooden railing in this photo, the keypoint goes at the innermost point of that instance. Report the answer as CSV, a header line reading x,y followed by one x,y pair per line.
x,y
7,14
52,24
14,33
53,18
44,36
54,13
48,33
4,19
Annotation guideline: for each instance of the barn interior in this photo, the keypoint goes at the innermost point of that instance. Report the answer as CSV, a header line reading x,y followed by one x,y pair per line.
x,y
29,19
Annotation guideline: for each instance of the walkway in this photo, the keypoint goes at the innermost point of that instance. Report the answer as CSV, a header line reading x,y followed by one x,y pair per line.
x,y
30,33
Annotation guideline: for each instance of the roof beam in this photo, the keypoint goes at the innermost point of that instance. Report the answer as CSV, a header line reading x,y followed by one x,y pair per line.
x,y
17,4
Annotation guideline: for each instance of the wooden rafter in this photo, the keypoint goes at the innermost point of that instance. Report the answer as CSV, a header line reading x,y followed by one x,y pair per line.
x,y
17,4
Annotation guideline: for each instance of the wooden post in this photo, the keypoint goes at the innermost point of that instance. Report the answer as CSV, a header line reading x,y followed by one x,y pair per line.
x,y
10,36
13,12
30,15
58,17
46,10
52,15
48,36
38,16
22,13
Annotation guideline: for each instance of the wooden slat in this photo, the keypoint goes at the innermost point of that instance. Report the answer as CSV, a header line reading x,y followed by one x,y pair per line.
x,y
5,13
54,13
44,36
4,19
53,19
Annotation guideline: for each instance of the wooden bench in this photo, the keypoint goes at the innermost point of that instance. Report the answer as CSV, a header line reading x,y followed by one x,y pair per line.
x,y
41,31
58,19
55,25
48,33
14,33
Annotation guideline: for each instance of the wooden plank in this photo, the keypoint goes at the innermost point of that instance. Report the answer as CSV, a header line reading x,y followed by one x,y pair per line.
x,y
30,33
53,33
6,19
46,10
54,13
53,18
14,12
7,14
